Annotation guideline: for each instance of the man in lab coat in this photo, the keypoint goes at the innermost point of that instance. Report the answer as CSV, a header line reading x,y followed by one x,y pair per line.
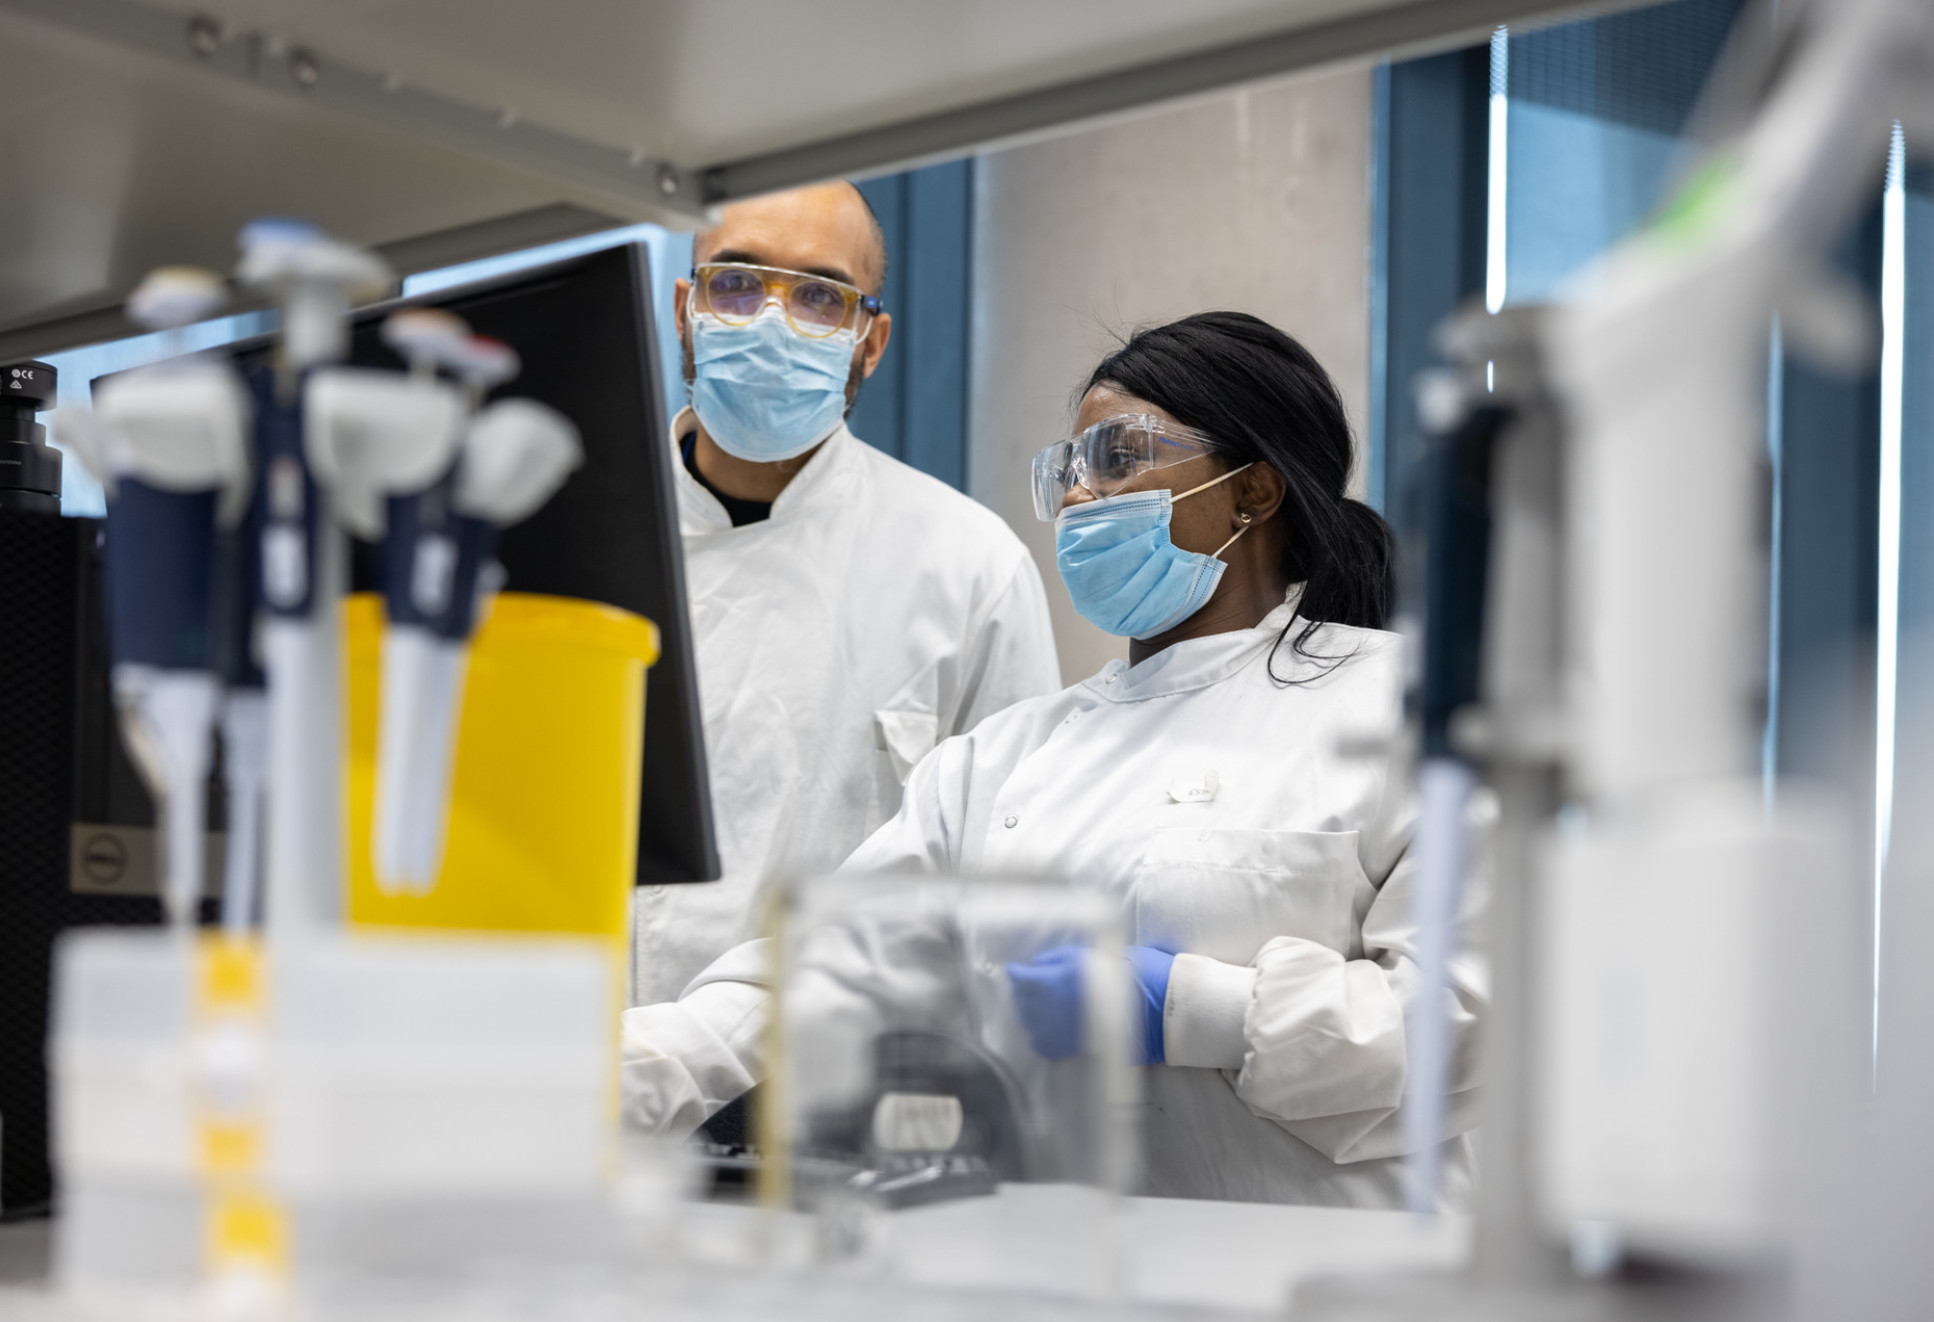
x,y
848,612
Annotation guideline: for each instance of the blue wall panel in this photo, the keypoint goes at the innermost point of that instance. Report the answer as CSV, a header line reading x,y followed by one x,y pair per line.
x,y
914,406
1829,520
1431,163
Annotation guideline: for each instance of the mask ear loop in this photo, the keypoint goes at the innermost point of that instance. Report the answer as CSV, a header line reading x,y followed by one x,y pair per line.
x,y
1217,555
1216,481
1212,482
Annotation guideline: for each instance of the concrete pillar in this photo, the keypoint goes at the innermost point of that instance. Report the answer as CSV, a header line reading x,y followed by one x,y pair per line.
x,y
1256,201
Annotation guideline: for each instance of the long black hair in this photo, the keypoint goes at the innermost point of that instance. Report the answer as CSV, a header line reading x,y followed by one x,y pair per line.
x,y
1262,398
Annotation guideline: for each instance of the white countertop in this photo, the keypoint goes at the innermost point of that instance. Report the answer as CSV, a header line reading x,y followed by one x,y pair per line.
x,y
1041,1248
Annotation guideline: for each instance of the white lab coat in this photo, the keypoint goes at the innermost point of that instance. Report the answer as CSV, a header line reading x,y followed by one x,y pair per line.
x,y
1214,804
876,612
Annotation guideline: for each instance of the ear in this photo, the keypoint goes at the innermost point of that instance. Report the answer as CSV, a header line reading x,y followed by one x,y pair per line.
x,y
874,344
1261,491
682,308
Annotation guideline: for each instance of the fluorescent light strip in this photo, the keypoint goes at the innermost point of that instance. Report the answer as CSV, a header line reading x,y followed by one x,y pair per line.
x,y
1499,177
1893,321
1769,769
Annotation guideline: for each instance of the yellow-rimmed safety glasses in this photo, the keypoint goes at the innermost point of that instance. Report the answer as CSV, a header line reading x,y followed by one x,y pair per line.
x,y
1108,456
815,306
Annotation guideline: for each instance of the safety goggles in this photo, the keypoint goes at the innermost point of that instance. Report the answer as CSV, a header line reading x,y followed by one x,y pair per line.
x,y
1108,456
816,307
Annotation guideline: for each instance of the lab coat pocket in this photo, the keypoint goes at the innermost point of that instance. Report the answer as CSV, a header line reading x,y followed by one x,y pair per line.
x,y
1224,893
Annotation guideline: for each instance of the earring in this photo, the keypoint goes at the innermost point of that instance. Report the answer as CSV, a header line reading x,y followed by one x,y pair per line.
x,y
1245,516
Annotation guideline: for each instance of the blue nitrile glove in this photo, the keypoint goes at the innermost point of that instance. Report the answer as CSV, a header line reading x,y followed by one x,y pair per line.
x,y
1047,992
1048,995
1151,968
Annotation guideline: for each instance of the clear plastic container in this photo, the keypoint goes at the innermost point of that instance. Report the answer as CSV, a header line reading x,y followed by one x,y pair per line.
x,y
906,1075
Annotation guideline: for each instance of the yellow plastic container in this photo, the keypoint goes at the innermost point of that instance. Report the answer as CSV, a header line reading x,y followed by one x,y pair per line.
x,y
544,805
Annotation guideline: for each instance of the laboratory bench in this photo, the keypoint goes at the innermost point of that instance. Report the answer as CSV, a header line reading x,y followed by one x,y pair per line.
x,y
1180,1259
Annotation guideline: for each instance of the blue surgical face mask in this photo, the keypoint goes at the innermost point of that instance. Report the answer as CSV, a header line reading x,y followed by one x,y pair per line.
x,y
1124,573
762,390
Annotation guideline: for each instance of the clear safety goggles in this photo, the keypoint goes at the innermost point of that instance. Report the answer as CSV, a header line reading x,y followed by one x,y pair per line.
x,y
816,307
1108,456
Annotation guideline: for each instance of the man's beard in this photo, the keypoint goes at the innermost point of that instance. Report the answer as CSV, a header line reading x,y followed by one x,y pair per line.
x,y
853,376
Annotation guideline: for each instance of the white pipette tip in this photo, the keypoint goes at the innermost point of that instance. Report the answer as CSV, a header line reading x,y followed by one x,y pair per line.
x,y
245,738
172,724
1443,854
422,701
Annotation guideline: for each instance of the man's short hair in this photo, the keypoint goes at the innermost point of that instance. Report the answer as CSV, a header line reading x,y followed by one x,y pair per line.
x,y
878,253
879,238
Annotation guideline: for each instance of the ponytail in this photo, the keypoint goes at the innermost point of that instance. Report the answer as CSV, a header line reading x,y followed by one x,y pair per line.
x,y
1354,584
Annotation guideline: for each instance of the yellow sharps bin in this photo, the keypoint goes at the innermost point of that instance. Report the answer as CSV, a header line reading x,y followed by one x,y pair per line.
x,y
544,805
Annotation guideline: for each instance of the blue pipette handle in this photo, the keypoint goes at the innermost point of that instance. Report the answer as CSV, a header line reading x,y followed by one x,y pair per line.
x,y
285,496
433,559
234,601
160,561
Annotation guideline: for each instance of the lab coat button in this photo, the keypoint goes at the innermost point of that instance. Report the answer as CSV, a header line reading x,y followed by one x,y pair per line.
x,y
1011,822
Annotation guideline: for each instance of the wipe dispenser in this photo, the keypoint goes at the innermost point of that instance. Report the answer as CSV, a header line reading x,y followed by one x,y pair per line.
x,y
543,831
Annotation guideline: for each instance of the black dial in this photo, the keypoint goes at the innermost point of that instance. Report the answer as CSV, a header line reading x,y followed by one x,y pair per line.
x,y
29,467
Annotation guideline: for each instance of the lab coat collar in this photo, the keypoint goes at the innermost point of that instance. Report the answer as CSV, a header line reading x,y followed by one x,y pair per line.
x,y
1196,663
699,511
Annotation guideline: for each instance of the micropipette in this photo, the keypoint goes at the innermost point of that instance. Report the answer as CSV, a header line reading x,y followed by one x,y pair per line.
x,y
174,438
381,438
438,571
1457,519
427,558
245,732
303,565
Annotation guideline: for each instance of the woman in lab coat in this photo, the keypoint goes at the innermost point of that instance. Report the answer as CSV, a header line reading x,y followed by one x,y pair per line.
x,y
1262,869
